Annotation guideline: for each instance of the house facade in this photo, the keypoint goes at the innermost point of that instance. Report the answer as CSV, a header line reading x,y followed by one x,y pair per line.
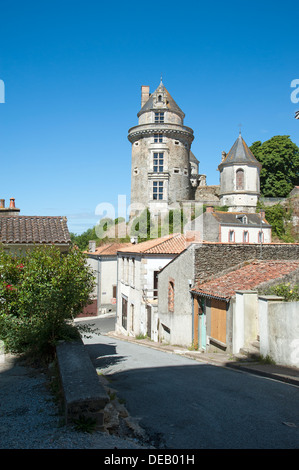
x,y
103,261
186,319
231,227
229,321
137,283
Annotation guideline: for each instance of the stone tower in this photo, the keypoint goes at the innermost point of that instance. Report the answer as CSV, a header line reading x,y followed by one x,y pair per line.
x,y
239,178
161,155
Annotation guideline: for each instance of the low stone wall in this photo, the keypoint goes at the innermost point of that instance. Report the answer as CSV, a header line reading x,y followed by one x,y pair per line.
x,y
84,395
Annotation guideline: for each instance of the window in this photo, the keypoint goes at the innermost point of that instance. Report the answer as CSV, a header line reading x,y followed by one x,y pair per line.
x,y
171,296
261,237
240,179
155,291
159,117
158,138
245,236
231,236
114,292
157,190
158,162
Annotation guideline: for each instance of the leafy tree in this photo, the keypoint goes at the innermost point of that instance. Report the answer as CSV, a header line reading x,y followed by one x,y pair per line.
x,y
280,159
40,294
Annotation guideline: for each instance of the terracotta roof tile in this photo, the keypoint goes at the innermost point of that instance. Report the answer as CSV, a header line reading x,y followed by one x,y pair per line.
x,y
109,248
246,278
171,244
34,229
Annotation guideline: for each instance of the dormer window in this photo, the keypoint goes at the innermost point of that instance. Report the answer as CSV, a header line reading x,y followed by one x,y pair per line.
x,y
160,98
159,117
243,219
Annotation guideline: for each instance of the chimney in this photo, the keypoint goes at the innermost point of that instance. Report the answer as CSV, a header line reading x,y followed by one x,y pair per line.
x,y
262,214
145,94
223,155
11,210
209,209
92,246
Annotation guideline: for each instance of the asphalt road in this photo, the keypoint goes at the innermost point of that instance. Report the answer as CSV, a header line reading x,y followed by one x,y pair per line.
x,y
184,404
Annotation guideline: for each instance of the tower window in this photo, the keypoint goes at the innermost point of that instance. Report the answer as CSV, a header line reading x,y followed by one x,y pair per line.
x,y
157,190
158,162
159,117
158,138
240,179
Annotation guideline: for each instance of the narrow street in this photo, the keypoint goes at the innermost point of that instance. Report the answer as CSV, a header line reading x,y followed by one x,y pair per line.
x,y
185,404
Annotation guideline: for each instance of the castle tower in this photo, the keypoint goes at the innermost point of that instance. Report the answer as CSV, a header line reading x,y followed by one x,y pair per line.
x,y
239,178
161,166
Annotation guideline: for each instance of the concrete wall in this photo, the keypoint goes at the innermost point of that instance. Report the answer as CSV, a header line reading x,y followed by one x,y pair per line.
x,y
245,320
175,326
279,330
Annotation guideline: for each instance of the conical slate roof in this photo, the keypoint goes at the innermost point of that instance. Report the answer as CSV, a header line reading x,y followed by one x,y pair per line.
x,y
240,153
170,103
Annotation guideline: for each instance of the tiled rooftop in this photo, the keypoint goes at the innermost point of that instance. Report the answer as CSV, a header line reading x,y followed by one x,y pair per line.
x,y
171,244
246,278
109,249
34,229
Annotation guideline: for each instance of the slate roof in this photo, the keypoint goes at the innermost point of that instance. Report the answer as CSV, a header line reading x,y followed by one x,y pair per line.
x,y
171,244
235,218
245,278
33,230
240,153
170,103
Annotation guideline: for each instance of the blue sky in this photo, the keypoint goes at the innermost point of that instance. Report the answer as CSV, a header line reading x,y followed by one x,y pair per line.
x,y
73,72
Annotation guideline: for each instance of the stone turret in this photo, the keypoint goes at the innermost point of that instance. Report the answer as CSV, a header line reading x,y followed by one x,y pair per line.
x,y
239,178
161,155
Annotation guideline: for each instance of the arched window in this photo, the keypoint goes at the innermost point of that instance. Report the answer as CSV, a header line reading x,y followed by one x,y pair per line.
x,y
240,179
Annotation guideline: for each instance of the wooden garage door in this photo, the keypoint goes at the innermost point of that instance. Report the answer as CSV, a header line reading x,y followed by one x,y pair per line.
x,y
218,320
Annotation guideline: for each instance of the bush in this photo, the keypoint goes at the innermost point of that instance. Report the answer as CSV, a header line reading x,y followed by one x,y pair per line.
x,y
40,294
289,292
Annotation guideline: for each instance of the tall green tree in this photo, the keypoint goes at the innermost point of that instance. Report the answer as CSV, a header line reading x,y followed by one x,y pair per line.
x,y
280,159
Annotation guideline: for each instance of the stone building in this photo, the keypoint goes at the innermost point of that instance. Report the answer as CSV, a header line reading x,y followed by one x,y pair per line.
x,y
164,170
